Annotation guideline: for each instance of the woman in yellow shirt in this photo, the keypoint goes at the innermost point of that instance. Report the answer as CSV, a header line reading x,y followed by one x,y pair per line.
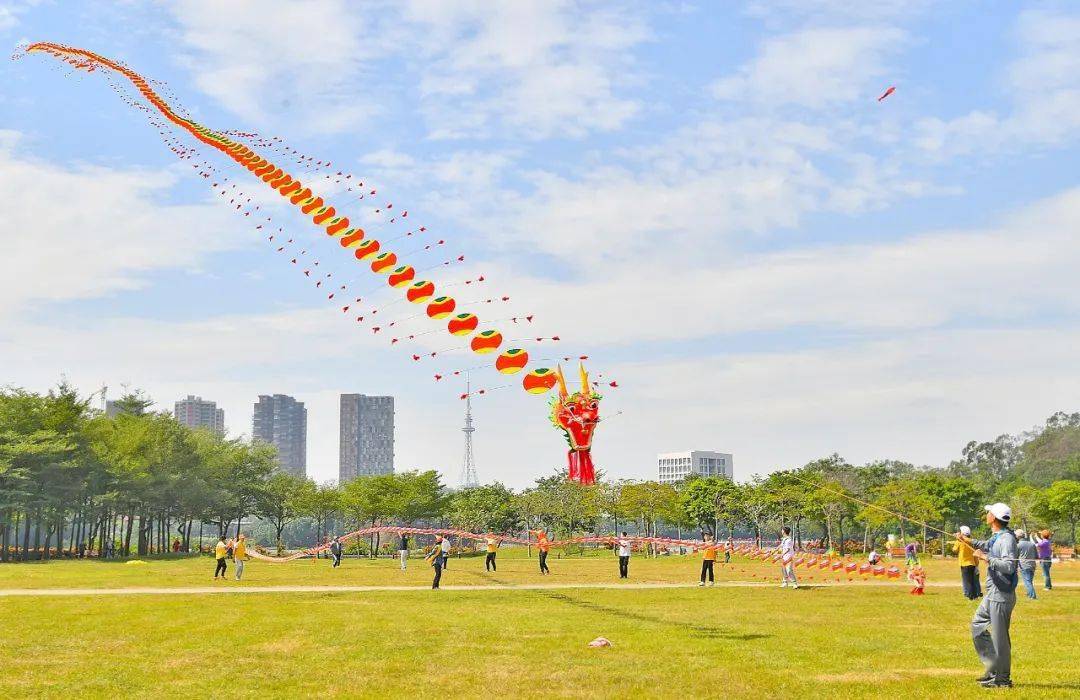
x,y
492,549
221,550
969,566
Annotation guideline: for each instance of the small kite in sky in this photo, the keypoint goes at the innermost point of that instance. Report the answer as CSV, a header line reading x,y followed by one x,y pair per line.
x,y
891,90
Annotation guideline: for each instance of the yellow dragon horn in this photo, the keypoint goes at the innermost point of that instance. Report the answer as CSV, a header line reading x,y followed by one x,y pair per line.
x,y
562,383
586,388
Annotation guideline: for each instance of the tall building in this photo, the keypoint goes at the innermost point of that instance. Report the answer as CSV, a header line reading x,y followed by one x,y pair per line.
x,y
282,421
367,436
675,466
196,413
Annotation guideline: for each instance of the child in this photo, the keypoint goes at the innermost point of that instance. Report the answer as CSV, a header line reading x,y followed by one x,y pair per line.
x,y
918,577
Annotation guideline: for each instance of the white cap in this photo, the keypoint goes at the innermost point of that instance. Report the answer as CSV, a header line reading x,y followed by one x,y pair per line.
x,y
965,530
1000,511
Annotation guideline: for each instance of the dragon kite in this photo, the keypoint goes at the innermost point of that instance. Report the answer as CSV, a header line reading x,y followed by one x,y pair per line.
x,y
575,414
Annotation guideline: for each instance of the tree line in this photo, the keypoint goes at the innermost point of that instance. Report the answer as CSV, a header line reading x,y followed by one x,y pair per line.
x,y
74,481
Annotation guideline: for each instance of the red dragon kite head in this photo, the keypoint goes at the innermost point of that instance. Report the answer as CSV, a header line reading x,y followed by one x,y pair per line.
x,y
577,415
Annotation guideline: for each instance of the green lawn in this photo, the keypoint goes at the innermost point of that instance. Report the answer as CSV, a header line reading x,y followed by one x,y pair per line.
x,y
848,640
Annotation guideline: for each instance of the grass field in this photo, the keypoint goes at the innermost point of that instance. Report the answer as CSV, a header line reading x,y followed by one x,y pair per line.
x,y
848,639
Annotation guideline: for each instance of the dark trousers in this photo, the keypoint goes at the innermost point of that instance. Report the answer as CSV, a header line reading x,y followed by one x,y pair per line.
x,y
220,568
624,565
969,577
1046,575
707,567
543,563
337,559
445,560
438,574
489,562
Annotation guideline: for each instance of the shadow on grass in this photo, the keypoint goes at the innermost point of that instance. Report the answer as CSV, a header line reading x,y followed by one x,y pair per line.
x,y
695,630
1049,686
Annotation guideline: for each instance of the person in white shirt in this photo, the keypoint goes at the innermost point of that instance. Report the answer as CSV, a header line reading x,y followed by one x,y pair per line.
x,y
624,556
874,557
445,552
787,559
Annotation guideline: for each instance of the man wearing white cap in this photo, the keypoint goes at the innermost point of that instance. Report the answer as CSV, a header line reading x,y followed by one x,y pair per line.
x,y
990,626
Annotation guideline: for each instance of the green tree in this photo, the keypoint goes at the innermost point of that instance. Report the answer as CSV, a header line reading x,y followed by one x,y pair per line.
x,y
901,501
610,498
1063,506
321,504
650,503
281,500
487,508
416,496
1026,502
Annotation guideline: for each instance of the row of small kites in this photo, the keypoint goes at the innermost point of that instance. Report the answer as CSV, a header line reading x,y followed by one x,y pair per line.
x,y
405,278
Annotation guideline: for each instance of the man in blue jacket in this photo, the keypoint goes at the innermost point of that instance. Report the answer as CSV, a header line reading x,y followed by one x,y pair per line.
x,y
990,626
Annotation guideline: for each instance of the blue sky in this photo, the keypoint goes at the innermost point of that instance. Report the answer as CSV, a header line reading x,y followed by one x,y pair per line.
x,y
708,201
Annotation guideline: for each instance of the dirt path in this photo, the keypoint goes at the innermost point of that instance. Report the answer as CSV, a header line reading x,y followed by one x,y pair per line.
x,y
234,588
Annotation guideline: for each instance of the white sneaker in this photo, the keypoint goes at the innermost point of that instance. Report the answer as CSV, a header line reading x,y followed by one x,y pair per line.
x,y
701,584
710,584
783,584
794,585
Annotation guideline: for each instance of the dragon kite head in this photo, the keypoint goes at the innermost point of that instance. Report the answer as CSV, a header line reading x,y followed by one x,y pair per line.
x,y
576,415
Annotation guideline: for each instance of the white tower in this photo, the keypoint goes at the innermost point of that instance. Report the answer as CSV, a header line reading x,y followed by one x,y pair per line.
x,y
468,467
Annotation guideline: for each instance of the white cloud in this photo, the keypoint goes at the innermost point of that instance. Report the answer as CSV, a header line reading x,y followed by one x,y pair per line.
x,y
10,12
535,68
1043,84
532,69
923,281
88,231
699,193
265,60
815,67
919,398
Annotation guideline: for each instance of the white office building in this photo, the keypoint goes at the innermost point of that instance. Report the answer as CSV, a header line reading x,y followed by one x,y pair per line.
x,y
673,467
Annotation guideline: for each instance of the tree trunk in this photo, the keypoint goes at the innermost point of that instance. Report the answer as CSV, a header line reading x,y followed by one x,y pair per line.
x,y
48,543
37,536
26,537
4,527
127,535
840,527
